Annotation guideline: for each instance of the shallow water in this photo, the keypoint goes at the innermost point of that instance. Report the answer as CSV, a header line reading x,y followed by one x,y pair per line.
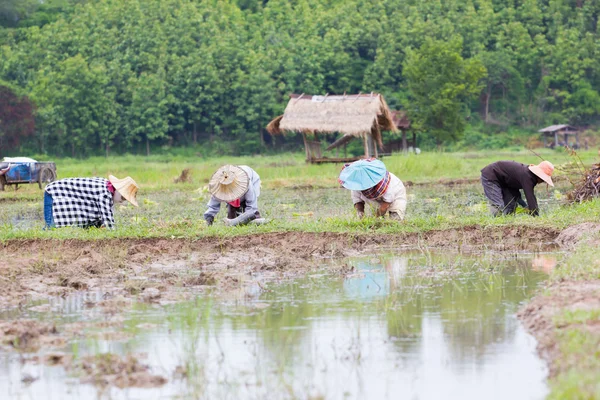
x,y
414,326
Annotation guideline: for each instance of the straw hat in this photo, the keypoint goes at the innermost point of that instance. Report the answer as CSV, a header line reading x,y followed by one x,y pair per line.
x,y
126,187
362,174
229,183
544,171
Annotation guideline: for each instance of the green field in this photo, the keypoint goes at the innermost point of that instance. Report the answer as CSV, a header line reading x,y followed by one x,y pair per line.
x,y
296,196
301,197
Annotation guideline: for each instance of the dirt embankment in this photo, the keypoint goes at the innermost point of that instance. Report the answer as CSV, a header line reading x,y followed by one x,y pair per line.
x,y
165,270
541,316
38,269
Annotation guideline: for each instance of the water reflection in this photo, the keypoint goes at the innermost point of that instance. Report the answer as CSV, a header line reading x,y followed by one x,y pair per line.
x,y
413,326
544,263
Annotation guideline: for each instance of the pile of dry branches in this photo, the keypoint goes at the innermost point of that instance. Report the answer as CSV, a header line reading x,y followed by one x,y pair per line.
x,y
588,187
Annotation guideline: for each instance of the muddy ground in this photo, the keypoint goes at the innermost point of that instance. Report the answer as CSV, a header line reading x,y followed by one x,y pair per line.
x,y
170,270
541,316
166,268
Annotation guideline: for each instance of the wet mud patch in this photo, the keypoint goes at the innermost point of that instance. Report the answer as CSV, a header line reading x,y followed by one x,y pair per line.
x,y
113,370
572,236
29,335
542,317
385,301
165,269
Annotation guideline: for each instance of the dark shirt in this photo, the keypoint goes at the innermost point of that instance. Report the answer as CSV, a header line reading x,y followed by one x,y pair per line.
x,y
514,175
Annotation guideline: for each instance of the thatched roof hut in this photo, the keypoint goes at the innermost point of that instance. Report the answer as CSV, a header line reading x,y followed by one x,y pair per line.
x,y
357,115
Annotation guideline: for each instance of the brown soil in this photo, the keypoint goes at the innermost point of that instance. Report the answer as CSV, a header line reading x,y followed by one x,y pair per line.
x,y
112,370
167,270
152,268
573,235
28,335
444,182
538,316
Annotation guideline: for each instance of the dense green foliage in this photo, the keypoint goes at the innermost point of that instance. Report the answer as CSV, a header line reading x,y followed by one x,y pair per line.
x,y
129,75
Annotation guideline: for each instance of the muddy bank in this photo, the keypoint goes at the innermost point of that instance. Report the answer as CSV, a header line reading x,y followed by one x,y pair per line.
x,y
586,232
541,318
167,269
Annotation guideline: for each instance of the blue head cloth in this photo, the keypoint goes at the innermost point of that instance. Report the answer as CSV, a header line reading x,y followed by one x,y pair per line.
x,y
362,174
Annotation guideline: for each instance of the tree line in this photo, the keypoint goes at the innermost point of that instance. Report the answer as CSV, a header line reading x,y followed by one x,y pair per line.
x,y
98,76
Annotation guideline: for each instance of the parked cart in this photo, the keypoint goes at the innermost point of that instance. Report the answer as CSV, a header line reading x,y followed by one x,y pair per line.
x,y
20,170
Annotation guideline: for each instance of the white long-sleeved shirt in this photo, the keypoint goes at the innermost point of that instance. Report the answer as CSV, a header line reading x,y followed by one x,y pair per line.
x,y
395,191
251,196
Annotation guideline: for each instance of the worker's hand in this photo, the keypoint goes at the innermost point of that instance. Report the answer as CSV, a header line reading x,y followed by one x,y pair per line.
x,y
383,208
209,220
360,209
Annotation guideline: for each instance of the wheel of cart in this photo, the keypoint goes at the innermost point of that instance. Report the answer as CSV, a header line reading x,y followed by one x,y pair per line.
x,y
47,175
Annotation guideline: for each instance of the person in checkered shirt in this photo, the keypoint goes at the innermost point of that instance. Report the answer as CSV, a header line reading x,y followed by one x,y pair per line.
x,y
86,202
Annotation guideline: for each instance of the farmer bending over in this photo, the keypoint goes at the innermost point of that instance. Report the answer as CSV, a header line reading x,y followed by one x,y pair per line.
x,y
370,182
503,180
239,187
86,202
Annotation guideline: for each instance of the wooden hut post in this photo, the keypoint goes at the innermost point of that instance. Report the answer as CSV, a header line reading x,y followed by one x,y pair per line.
x,y
555,138
374,131
374,147
306,149
366,147
415,142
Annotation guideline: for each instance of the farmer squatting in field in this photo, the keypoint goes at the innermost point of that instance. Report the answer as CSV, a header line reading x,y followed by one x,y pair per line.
x,y
370,182
86,202
503,180
239,187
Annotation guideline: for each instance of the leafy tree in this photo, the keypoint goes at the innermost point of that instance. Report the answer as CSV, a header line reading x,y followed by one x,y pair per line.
x,y
16,118
111,74
441,83
75,104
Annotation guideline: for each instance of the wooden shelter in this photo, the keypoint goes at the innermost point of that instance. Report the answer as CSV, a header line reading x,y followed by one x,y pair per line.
x,y
354,116
553,132
403,124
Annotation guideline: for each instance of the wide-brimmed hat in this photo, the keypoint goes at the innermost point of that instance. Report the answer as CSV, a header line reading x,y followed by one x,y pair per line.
x,y
362,174
544,171
126,187
229,183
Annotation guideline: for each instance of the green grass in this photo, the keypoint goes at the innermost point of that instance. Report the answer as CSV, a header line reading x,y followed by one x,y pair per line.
x,y
577,331
290,170
296,197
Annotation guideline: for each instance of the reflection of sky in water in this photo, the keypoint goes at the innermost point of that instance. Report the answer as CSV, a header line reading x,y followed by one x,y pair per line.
x,y
383,332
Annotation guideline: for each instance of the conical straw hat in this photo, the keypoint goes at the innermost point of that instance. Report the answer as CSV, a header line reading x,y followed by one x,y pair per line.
x,y
126,187
544,171
229,183
362,174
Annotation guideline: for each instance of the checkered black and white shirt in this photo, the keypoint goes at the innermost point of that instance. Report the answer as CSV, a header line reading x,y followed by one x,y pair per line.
x,y
81,202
